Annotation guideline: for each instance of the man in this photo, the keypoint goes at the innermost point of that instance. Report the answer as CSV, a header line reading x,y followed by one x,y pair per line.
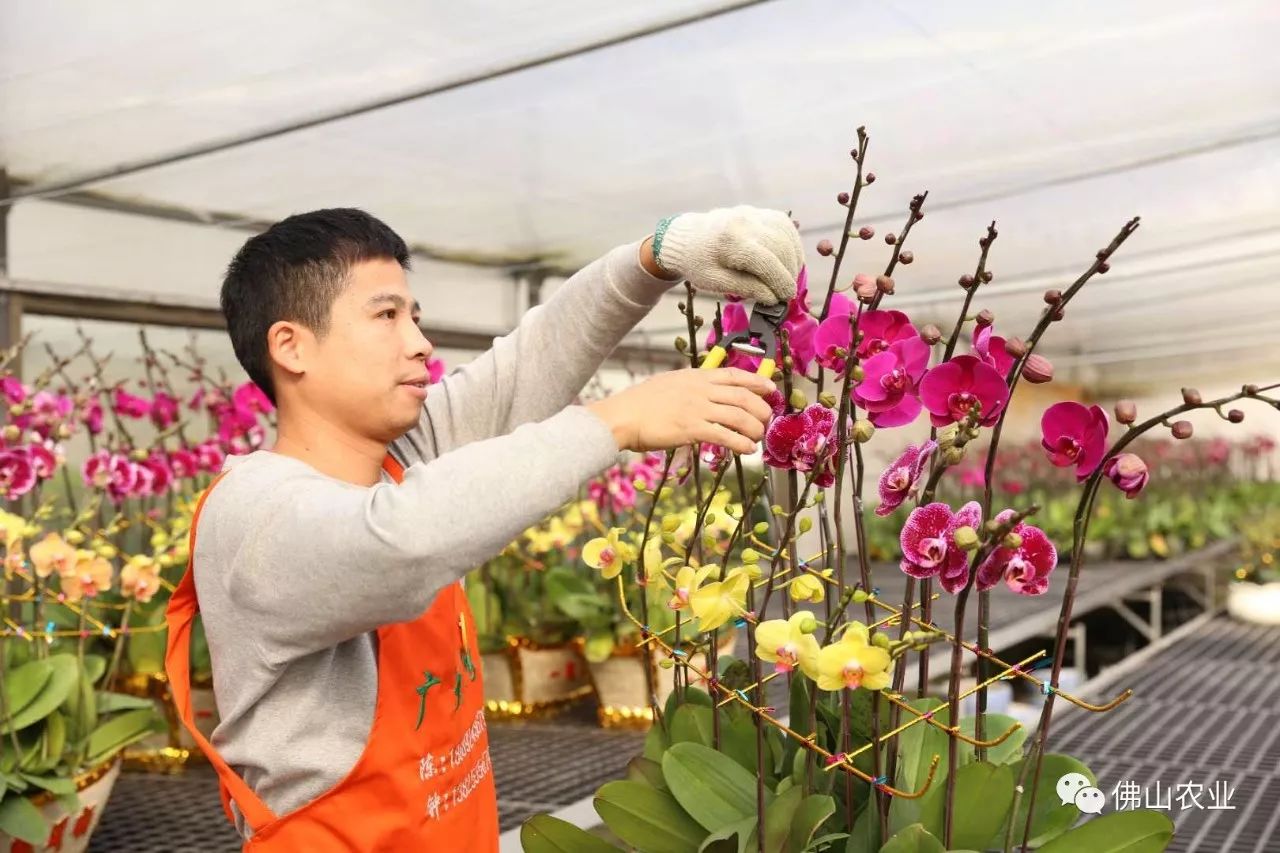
x,y
327,568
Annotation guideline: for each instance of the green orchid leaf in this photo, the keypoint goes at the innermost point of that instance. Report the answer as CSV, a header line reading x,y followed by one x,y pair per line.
x,y
647,819
546,834
710,786
1118,832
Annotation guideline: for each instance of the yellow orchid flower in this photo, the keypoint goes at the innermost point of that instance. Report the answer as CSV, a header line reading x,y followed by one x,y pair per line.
x,y
12,528
140,578
688,579
52,554
853,662
609,553
652,560
90,575
782,643
720,601
807,588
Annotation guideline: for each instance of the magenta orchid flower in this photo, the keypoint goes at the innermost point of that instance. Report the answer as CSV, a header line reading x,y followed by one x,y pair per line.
x,y
210,456
14,391
250,398
92,415
164,410
1025,569
17,473
989,347
184,464
734,320
950,390
928,543
882,329
1128,472
1073,434
889,387
435,370
45,457
902,479
804,441
130,406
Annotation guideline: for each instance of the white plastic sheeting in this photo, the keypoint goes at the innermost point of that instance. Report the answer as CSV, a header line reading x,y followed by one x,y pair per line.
x,y
1058,120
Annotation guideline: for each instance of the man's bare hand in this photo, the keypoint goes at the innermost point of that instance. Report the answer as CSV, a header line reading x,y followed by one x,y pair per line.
x,y
722,406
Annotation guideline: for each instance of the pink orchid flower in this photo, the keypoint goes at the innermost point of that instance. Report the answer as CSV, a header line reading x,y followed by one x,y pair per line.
x,y
92,415
17,473
989,347
889,387
882,329
45,457
112,472
928,543
14,391
250,398
1073,434
1128,472
1025,569
805,441
164,410
952,388
161,474
734,320
435,370
901,479
210,456
130,406
184,464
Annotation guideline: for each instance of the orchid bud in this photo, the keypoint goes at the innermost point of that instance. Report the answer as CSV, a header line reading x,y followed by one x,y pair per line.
x,y
1182,429
966,281
710,519
863,429
1128,472
12,433
1191,396
1103,268
669,538
1016,347
966,538
930,334
761,528
1037,370
865,286
807,623
751,555
754,571
947,435
666,663
697,322
843,198
866,232
681,345
1251,389
953,455
74,537
891,238
880,639
1235,416
670,523
987,275
825,248
798,400
906,257
885,284
64,431
871,178
1059,313
860,596
15,409
819,497
138,455
1012,541
1126,411
806,524
827,399
1052,297
984,318
858,373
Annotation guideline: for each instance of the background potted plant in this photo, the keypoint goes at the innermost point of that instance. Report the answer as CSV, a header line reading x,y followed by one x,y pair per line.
x,y
1254,593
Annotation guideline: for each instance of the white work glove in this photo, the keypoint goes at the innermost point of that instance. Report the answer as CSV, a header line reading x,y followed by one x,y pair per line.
x,y
734,251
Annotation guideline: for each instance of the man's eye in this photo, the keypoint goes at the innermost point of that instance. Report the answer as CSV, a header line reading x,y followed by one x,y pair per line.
x,y
390,314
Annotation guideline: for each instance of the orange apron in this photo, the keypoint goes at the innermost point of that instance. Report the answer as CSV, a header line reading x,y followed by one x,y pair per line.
x,y
424,781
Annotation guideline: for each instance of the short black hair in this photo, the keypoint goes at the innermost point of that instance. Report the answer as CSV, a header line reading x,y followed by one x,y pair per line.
x,y
294,271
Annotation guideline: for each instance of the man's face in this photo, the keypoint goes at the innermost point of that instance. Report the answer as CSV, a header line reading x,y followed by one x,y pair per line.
x,y
369,373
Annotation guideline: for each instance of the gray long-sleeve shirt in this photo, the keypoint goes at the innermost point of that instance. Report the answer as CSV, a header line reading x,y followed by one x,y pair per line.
x,y
295,570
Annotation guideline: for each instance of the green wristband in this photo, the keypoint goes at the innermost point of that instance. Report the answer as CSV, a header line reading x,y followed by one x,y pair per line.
x,y
659,233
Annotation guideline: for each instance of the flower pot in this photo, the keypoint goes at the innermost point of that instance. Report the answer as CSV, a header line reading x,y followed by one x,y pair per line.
x,y
623,690
1258,603
529,679
70,833
170,751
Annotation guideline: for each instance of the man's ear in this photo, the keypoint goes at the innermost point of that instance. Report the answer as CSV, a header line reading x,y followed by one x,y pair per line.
x,y
289,346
